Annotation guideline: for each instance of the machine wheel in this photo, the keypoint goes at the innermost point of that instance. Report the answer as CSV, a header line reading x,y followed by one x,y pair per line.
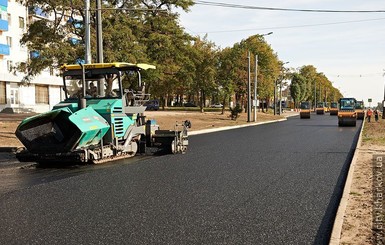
x,y
142,147
134,148
173,147
179,148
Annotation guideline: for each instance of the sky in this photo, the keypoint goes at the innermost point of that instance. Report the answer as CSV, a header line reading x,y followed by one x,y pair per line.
x,y
349,48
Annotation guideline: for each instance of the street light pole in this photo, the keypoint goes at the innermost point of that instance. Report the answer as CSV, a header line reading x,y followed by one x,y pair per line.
x,y
278,94
255,85
280,98
248,89
87,36
99,35
275,97
383,104
255,88
315,94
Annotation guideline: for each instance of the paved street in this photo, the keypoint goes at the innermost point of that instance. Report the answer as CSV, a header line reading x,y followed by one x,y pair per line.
x,y
277,183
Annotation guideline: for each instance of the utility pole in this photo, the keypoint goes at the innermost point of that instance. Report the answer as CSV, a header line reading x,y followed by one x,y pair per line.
x,y
255,88
315,94
275,97
383,103
99,34
278,94
280,98
99,42
87,57
248,89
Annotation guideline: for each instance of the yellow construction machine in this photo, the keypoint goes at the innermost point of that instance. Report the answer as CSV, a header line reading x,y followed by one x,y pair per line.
x,y
333,109
360,110
347,115
320,108
305,109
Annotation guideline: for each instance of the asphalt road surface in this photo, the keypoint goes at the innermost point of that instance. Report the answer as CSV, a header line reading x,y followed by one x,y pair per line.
x,y
277,183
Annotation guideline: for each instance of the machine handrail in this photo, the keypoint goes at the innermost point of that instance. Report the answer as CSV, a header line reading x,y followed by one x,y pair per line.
x,y
136,98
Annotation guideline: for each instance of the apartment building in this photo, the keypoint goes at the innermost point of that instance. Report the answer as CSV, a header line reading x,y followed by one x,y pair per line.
x,y
45,90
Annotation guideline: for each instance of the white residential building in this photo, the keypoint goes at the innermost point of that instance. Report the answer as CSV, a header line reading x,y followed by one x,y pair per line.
x,y
46,89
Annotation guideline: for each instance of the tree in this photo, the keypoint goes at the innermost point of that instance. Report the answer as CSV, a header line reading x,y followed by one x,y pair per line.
x,y
226,74
269,66
298,88
205,60
308,81
128,35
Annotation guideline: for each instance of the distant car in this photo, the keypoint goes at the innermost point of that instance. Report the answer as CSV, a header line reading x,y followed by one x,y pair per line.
x,y
189,104
217,105
152,105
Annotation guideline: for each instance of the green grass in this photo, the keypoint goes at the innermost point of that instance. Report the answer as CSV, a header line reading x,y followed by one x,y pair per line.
x,y
374,132
355,193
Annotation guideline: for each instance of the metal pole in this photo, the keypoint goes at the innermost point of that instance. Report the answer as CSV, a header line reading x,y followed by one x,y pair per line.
x,y
383,104
315,94
99,43
255,88
275,97
280,98
248,89
99,35
82,100
87,56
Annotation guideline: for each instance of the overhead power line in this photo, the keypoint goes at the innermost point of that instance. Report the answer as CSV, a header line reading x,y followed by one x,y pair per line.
x,y
294,26
355,75
230,5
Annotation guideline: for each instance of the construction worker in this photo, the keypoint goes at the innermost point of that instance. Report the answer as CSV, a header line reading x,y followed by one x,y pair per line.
x,y
369,114
376,115
93,91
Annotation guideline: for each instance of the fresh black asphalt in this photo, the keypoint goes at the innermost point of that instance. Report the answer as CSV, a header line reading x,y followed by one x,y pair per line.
x,y
276,183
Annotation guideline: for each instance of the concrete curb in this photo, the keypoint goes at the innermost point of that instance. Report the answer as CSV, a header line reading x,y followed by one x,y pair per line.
x,y
211,130
335,237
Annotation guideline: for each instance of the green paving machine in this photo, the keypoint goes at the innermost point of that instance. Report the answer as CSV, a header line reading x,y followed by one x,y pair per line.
x,y
98,121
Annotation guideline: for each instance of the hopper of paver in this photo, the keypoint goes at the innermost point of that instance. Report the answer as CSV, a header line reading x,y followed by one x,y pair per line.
x,y
61,130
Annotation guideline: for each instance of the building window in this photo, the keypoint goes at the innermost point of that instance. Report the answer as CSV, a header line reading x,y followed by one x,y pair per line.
x,y
21,22
9,19
9,41
3,94
41,94
9,65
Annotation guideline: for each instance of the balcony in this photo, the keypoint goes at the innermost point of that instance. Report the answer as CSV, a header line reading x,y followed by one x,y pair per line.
x,y
34,54
4,3
77,23
4,49
3,25
74,41
37,12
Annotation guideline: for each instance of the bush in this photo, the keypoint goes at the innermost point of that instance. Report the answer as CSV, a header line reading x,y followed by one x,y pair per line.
x,y
235,112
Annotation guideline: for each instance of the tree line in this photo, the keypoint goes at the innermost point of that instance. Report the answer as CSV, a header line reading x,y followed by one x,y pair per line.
x,y
148,31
